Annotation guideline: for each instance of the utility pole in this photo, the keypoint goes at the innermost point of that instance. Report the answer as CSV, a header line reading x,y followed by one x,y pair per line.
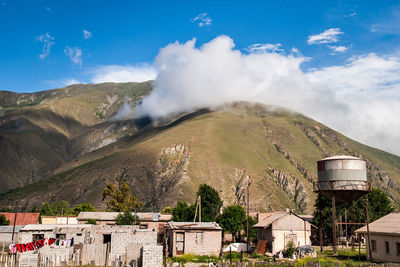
x,y
248,211
199,208
15,220
334,225
369,236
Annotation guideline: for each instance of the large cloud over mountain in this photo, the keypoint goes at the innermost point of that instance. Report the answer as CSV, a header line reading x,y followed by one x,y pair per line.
x,y
361,98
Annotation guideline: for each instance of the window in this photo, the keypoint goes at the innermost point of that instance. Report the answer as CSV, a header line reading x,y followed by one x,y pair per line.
x,y
398,248
37,237
199,238
387,248
61,236
373,245
143,226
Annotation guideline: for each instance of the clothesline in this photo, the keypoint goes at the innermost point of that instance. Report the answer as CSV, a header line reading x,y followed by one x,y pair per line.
x,y
38,244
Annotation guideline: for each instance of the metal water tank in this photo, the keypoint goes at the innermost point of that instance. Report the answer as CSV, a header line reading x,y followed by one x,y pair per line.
x,y
343,177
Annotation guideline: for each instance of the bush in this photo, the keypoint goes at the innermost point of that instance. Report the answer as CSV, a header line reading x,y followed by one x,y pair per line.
x,y
91,221
290,249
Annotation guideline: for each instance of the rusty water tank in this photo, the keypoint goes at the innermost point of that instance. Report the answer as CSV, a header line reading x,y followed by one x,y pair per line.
x,y
342,176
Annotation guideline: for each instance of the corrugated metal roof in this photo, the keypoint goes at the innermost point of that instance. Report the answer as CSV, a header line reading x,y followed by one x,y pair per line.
x,y
194,225
22,218
389,224
9,228
340,157
270,219
51,227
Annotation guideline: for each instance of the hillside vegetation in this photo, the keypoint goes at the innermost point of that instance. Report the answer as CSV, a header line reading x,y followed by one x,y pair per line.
x,y
167,160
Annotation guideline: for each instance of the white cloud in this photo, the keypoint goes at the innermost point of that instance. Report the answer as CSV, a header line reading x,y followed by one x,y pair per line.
x,y
118,73
70,81
351,14
360,99
264,48
338,49
328,36
47,41
87,34
74,54
202,20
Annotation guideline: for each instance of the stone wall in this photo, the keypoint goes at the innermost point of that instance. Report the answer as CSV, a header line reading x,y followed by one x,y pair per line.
x,y
199,242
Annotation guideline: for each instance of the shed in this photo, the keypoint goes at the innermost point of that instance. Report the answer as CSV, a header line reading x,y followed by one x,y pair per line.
x,y
385,238
280,228
6,233
200,238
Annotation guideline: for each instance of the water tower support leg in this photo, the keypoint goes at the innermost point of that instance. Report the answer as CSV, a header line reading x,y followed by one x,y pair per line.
x,y
369,236
334,225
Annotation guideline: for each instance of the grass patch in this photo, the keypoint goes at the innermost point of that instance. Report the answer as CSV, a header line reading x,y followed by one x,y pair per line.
x,y
194,258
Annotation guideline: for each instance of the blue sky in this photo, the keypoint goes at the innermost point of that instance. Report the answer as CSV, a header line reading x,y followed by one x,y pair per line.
x,y
131,33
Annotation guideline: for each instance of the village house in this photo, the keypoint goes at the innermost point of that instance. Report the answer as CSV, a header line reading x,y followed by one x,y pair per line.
x,y
86,244
385,238
199,238
277,229
6,233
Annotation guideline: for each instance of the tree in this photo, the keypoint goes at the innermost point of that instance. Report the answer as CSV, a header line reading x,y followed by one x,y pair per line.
x,y
83,207
379,205
3,220
211,203
183,212
252,231
127,218
167,210
233,219
62,208
121,198
47,209
91,221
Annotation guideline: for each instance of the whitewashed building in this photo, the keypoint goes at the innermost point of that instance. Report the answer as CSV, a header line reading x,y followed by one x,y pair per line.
x,y
280,228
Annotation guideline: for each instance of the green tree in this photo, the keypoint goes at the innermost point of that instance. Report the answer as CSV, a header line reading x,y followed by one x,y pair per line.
x,y
183,212
47,209
83,207
211,203
91,221
252,231
127,218
233,219
167,210
379,206
3,220
120,198
62,208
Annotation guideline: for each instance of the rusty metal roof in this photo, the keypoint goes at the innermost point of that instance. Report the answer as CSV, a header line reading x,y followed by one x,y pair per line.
x,y
193,225
388,225
22,218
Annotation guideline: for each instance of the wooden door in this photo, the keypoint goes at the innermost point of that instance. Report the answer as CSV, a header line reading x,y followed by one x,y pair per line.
x,y
180,243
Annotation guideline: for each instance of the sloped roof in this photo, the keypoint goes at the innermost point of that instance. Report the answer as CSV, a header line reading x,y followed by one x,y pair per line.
x,y
22,218
194,225
389,224
51,227
274,216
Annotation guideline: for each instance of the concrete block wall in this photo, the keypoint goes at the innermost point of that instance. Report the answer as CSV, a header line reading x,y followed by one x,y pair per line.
x,y
209,245
152,256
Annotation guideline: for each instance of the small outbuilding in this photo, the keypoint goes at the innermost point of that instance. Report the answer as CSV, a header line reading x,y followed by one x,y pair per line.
x,y
385,238
199,238
277,229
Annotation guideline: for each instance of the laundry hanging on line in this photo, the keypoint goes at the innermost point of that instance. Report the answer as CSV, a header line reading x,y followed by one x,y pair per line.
x,y
38,244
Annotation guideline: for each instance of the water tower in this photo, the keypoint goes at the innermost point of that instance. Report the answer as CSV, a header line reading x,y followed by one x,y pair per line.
x,y
342,179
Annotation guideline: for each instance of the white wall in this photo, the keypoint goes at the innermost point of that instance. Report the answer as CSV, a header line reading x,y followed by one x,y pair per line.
x,y
380,253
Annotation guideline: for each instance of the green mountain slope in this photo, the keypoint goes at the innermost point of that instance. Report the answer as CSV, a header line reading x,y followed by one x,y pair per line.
x,y
165,162
40,132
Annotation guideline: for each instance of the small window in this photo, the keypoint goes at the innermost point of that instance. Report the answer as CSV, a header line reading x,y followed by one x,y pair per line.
x,y
79,234
373,245
398,248
106,239
61,236
37,237
143,226
387,248
199,238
